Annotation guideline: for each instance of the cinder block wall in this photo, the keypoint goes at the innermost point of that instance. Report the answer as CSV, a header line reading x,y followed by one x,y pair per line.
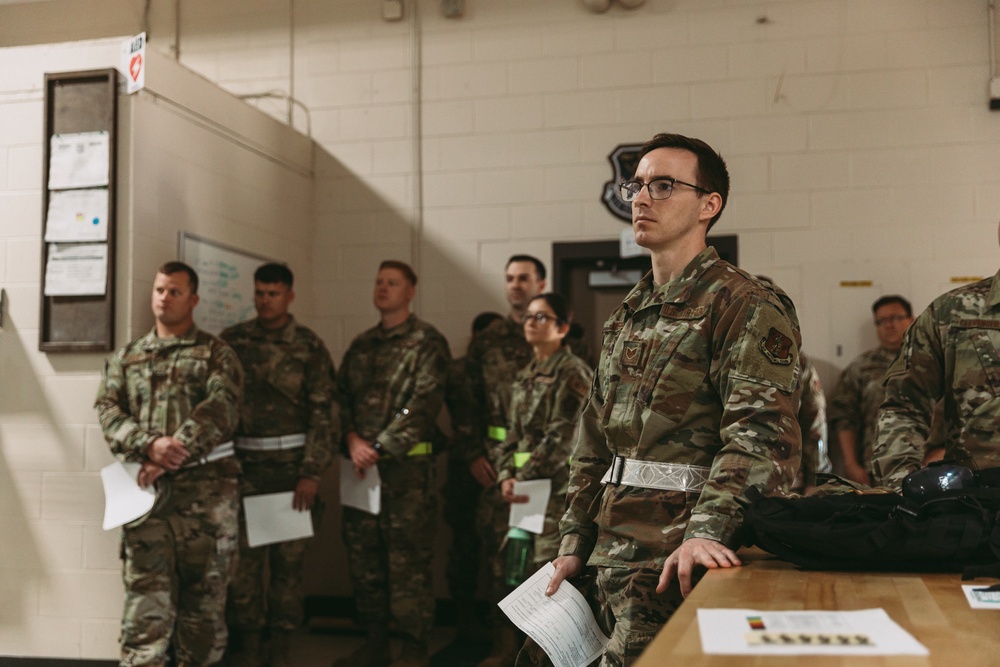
x,y
857,133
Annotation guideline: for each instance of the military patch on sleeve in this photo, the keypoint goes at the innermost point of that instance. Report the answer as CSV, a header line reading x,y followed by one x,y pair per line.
x,y
777,347
767,352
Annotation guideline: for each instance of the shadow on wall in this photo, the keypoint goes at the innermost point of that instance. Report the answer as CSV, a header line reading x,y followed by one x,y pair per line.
x,y
357,228
21,566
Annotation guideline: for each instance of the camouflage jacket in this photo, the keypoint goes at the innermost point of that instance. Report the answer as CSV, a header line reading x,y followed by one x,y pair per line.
x,y
188,387
385,372
703,372
459,403
812,423
949,353
855,401
289,389
545,407
495,356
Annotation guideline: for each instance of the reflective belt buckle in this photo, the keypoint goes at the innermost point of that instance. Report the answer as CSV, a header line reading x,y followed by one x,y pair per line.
x,y
617,470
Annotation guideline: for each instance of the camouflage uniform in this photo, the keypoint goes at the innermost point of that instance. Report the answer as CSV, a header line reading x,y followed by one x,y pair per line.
x,y
700,373
545,408
855,401
177,561
812,423
461,492
289,390
391,388
495,356
949,354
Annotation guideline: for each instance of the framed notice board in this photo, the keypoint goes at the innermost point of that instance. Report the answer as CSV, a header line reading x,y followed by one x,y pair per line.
x,y
225,281
78,212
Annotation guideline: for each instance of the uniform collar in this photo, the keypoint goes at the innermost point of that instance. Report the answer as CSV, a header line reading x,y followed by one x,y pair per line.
x,y
152,342
285,333
401,329
548,366
646,294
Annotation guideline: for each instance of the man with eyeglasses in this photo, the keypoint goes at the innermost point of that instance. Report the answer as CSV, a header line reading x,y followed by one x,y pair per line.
x,y
695,399
949,355
855,401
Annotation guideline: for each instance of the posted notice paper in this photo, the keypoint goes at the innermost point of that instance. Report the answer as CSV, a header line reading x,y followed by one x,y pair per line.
x,y
271,518
752,632
530,516
77,215
124,500
364,494
79,160
563,625
76,269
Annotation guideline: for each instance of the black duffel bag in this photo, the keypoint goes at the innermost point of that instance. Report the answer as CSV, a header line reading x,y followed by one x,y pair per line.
x,y
951,530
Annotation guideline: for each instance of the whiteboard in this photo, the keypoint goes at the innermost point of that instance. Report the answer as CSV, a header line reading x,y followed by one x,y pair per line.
x,y
225,281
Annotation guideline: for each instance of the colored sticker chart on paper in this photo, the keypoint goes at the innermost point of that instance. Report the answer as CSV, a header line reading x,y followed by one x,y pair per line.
x,y
77,215
757,632
982,597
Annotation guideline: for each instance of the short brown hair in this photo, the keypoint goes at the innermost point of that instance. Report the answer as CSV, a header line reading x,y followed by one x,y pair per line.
x,y
180,267
402,267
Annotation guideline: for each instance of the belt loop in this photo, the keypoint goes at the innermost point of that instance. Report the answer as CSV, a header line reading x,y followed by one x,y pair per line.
x,y
617,470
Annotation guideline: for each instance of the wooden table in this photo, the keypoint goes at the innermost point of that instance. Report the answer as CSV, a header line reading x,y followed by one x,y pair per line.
x,y
931,607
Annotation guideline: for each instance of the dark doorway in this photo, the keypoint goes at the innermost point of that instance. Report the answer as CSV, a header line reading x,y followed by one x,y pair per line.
x,y
595,278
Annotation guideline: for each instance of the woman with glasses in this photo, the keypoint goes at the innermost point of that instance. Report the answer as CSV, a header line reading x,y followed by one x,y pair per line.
x,y
547,398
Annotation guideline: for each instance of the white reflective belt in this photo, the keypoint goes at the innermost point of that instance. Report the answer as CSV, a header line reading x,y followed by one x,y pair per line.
x,y
656,475
218,452
272,444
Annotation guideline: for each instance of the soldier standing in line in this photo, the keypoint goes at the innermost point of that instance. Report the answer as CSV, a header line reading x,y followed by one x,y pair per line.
x,y
695,399
170,401
391,389
855,400
949,355
461,493
547,398
284,443
495,356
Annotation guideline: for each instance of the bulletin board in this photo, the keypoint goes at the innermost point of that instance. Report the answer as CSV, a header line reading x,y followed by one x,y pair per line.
x,y
78,212
225,280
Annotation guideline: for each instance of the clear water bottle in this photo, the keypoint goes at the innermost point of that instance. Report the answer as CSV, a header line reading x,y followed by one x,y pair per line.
x,y
518,556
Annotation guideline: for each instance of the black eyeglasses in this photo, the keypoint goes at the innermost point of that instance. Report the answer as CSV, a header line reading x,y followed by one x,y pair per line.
x,y
882,321
658,188
540,318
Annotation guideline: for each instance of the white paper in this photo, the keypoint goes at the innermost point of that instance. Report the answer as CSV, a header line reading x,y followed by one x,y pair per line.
x,y
530,516
272,518
363,494
79,160
76,269
77,215
562,625
979,599
124,500
725,632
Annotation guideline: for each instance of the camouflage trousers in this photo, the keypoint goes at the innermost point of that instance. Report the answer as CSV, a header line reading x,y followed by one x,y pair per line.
x,y
493,519
177,565
627,608
266,590
461,496
389,556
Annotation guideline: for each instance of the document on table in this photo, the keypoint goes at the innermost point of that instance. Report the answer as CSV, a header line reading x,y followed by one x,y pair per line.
x,y
77,215
531,515
79,160
752,632
364,494
124,500
979,598
76,269
272,518
563,625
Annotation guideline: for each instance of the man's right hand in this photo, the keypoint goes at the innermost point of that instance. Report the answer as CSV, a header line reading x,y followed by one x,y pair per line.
x,y
483,472
363,455
566,568
856,473
166,452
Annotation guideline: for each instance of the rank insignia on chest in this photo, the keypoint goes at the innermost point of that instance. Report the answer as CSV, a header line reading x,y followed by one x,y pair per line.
x,y
777,347
632,354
